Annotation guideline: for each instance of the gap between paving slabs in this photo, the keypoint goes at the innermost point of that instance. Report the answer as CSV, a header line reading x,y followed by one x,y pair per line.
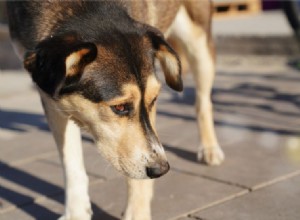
x,y
191,214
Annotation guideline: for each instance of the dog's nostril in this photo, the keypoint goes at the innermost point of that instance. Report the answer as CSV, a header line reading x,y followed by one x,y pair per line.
x,y
158,170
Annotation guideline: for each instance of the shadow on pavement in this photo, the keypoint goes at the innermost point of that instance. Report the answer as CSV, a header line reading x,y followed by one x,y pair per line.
x,y
27,204
256,128
35,210
183,153
262,101
268,93
19,121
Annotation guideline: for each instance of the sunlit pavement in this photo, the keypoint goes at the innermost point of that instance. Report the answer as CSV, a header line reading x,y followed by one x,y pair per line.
x,y
257,111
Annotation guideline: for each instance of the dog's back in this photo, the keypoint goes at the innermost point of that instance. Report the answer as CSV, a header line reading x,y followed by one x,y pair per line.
x,y
32,21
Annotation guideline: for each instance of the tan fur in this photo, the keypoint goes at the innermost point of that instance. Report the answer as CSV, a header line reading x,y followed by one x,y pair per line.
x,y
152,91
153,12
73,60
168,64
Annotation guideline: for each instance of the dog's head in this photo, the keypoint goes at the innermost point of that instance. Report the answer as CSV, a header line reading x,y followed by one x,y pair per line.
x,y
110,87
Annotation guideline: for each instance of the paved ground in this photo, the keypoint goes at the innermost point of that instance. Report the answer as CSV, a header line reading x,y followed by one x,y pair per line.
x,y
257,119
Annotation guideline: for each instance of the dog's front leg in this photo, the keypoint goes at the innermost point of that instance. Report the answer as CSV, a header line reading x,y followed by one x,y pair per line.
x,y
67,136
139,200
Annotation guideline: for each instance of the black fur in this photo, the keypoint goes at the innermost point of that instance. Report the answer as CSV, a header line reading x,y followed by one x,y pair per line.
x,y
47,62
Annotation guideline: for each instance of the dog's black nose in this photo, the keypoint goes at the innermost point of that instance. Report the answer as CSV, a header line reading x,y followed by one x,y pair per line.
x,y
157,170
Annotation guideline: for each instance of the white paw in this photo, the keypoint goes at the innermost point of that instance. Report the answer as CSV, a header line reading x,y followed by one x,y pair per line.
x,y
212,156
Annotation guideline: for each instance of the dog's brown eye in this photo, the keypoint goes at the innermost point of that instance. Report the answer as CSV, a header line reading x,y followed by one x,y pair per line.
x,y
122,109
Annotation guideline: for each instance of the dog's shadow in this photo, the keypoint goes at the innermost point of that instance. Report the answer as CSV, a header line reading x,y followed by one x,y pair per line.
x,y
37,185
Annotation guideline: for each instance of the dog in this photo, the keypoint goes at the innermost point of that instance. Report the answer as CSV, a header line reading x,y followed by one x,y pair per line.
x,y
94,66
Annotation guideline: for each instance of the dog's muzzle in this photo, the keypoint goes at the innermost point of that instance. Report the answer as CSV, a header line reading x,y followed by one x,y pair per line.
x,y
157,170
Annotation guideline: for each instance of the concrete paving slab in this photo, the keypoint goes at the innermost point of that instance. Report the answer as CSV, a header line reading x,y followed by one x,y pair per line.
x,y
14,122
178,194
247,163
26,101
35,211
13,82
276,202
20,109
24,184
27,147
31,181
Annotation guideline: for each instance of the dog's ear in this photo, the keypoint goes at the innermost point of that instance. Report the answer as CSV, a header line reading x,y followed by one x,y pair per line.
x,y
58,61
168,58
